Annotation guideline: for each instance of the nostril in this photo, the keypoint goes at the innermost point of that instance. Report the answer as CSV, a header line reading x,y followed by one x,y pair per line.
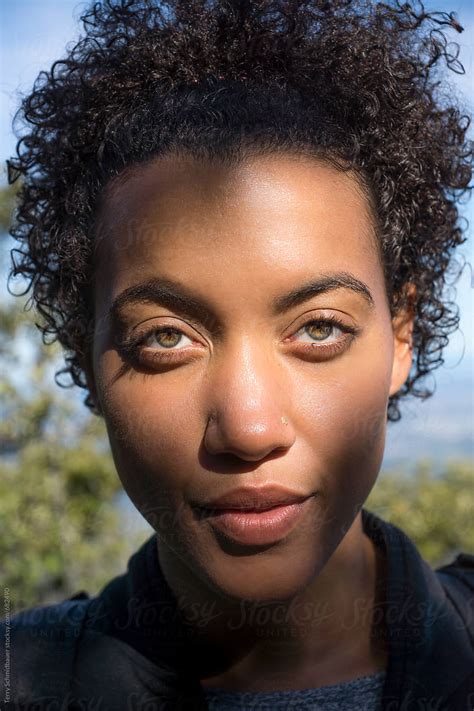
x,y
233,463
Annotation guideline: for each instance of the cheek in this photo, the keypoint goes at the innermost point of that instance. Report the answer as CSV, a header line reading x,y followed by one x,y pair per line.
x,y
153,439
344,417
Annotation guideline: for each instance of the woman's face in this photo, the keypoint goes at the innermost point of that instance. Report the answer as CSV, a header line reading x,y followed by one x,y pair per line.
x,y
217,280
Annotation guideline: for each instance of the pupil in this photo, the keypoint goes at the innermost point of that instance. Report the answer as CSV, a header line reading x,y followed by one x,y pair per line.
x,y
325,328
167,334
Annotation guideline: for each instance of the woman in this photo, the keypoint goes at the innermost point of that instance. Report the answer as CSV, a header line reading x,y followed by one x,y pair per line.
x,y
237,219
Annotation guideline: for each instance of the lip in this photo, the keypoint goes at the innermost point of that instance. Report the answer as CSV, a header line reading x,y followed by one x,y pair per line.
x,y
254,498
254,528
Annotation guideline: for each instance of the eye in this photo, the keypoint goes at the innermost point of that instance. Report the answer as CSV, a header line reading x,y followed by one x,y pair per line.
x,y
318,330
323,337
160,344
166,337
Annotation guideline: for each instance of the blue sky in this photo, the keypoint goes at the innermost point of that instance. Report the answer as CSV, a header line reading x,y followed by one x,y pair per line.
x,y
35,33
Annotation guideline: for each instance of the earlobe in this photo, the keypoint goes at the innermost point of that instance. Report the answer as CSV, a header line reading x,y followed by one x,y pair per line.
x,y
402,326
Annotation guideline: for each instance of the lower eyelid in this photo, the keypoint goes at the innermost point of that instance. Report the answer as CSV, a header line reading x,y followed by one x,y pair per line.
x,y
339,340
313,350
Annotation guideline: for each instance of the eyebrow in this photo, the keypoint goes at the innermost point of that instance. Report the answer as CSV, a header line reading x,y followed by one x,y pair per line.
x,y
166,292
321,285
178,298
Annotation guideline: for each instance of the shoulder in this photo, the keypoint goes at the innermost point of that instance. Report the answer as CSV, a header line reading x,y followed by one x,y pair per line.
x,y
60,656
461,567
457,579
37,647
56,653
47,622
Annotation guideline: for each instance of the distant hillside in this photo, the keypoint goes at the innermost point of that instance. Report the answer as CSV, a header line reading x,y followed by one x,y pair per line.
x,y
439,428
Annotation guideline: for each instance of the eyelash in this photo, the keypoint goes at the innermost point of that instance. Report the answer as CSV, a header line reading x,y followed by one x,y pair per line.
x,y
129,347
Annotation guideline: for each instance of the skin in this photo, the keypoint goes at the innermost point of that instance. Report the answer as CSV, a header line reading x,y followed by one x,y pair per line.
x,y
237,238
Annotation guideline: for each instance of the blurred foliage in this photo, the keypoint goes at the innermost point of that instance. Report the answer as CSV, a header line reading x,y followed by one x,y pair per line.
x,y
61,530
7,203
435,511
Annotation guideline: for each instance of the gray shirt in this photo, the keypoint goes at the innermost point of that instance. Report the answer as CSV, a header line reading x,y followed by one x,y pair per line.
x,y
362,694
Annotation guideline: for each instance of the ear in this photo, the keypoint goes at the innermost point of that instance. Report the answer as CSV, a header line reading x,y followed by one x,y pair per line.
x,y
402,325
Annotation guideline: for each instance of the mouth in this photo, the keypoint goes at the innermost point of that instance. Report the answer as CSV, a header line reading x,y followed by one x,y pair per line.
x,y
256,525
253,498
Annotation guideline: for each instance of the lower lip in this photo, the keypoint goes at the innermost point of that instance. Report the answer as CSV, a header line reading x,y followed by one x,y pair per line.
x,y
258,527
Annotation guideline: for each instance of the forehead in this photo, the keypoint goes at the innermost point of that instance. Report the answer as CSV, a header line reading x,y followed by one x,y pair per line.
x,y
273,183
218,177
180,211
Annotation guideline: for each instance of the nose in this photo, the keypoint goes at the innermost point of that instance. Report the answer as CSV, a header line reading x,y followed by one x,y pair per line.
x,y
248,406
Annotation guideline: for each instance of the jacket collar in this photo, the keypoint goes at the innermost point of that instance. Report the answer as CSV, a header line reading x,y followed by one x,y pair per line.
x,y
429,650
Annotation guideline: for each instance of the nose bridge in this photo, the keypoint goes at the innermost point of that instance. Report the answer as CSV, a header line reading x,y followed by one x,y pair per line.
x,y
247,401
247,373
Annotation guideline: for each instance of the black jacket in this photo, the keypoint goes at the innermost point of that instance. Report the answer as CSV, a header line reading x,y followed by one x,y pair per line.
x,y
129,647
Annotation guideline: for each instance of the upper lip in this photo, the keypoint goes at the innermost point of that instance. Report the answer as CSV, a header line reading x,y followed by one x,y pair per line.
x,y
259,498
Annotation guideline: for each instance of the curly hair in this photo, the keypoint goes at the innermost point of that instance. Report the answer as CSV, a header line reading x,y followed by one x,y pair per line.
x,y
355,82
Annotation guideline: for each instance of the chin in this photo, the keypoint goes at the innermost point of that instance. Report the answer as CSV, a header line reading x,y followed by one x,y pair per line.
x,y
267,586
275,573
